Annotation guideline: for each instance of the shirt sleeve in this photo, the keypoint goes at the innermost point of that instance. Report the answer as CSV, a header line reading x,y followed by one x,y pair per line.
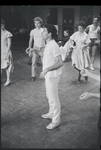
x,y
72,37
41,30
9,35
55,51
31,33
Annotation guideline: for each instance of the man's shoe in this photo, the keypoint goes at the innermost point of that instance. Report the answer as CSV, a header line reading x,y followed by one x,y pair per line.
x,y
86,79
91,67
33,78
53,125
47,116
78,81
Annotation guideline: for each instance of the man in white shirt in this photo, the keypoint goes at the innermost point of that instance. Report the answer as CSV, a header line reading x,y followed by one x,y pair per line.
x,y
36,41
52,70
93,31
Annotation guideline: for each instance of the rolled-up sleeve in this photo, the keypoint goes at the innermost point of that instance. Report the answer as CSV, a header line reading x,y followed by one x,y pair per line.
x,y
72,37
9,35
55,51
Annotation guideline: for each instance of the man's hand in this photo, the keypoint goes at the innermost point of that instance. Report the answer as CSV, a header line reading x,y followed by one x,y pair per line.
x,y
27,50
43,73
97,42
85,96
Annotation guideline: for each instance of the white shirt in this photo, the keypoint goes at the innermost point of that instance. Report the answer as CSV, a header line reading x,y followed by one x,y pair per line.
x,y
4,42
36,34
80,39
51,51
93,33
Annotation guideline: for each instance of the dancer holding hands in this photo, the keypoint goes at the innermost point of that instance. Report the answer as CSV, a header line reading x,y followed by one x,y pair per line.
x,y
80,54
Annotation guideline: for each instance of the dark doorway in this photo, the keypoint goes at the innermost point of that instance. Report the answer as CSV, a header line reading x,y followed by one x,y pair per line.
x,y
52,16
68,19
86,14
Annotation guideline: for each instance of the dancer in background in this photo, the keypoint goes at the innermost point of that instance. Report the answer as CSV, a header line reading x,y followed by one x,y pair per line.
x,y
65,46
80,54
6,54
93,31
37,43
52,70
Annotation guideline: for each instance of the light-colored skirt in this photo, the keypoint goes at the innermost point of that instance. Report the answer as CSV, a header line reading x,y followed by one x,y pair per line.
x,y
8,63
81,58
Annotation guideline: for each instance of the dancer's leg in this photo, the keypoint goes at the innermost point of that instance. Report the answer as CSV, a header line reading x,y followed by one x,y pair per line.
x,y
94,48
8,77
79,75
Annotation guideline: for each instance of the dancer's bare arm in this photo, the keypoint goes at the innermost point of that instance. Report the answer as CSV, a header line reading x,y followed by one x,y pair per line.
x,y
85,72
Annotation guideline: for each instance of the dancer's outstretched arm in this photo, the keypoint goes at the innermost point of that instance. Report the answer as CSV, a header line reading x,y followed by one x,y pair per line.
x,y
85,72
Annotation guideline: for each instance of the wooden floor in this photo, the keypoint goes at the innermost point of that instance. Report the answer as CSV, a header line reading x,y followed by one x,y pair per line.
x,y
23,103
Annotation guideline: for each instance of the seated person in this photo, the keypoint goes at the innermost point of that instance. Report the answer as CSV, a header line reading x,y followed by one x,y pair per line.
x,y
65,38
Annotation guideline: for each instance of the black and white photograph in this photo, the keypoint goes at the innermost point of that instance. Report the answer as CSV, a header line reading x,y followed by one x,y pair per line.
x,y
50,77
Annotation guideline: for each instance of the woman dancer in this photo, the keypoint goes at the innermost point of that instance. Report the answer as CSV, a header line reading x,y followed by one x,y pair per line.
x,y
93,31
6,54
80,53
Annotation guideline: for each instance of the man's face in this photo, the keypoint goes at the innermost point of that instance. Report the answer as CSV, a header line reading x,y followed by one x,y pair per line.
x,y
95,20
66,34
80,29
45,34
37,24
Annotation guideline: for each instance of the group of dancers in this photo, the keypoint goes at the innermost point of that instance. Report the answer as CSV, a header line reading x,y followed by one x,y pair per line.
x,y
83,44
42,43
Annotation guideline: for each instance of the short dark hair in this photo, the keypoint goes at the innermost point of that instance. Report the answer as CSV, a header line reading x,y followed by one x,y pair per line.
x,y
95,16
51,29
37,19
2,22
82,23
67,30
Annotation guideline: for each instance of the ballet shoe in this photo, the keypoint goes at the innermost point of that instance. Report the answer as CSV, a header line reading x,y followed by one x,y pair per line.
x,y
91,67
86,79
47,116
53,125
78,81
7,83
33,78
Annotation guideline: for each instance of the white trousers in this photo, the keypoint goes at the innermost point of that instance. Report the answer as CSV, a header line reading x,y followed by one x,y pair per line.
x,y
51,85
34,63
